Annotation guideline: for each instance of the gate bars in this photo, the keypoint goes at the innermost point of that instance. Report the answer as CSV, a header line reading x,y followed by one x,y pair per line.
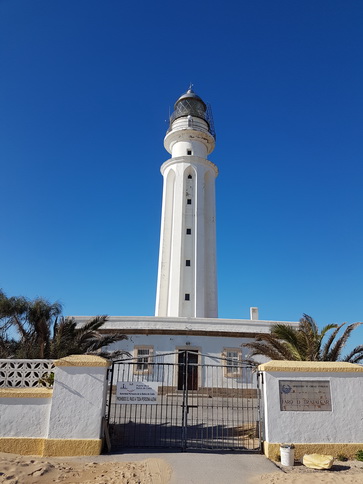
x,y
201,402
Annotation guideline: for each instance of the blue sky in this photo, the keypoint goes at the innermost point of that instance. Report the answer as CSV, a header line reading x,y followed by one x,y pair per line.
x,y
85,91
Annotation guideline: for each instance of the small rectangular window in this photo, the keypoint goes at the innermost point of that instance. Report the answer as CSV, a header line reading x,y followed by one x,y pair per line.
x,y
233,367
187,262
189,201
189,231
189,152
187,297
143,359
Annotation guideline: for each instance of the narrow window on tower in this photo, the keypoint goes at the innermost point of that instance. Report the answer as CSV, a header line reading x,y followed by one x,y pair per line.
x,y
190,177
187,297
189,152
189,201
189,231
187,262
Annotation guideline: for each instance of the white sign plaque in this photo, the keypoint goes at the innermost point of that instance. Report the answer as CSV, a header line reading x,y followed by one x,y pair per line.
x,y
137,392
305,396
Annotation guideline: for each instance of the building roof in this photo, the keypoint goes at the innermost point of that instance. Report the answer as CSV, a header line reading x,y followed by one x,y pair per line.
x,y
198,326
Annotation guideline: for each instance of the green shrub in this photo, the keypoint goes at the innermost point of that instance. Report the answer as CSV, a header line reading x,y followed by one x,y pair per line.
x,y
342,457
359,455
47,380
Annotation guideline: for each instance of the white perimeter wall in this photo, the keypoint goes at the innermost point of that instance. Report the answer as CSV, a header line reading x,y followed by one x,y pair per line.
x,y
344,424
24,417
72,410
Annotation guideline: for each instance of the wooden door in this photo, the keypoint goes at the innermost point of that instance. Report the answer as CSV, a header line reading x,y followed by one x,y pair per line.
x,y
187,370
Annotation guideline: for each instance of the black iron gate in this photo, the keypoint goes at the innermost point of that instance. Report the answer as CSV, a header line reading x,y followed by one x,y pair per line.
x,y
184,400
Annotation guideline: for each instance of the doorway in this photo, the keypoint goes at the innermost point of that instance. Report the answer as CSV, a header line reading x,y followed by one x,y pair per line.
x,y
187,370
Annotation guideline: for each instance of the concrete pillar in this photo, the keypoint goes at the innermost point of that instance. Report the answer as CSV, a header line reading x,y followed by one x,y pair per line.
x,y
78,406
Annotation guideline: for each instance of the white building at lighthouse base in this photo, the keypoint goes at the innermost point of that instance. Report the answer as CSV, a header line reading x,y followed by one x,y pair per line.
x,y
209,339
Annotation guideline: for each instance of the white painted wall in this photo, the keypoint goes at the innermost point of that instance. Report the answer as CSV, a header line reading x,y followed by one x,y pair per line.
x,y
78,402
197,133
162,343
210,350
343,424
74,411
24,417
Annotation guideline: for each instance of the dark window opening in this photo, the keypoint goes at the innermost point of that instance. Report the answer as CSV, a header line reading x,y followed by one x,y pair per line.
x,y
187,297
189,231
187,262
189,152
190,177
189,201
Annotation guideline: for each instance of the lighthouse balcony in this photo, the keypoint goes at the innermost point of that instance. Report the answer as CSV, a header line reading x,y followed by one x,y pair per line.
x,y
195,119
189,123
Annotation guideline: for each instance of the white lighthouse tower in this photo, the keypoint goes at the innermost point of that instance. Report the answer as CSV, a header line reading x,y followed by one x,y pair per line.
x,y
187,279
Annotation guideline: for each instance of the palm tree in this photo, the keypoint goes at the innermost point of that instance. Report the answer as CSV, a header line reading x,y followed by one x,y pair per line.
x,y
36,329
305,343
69,338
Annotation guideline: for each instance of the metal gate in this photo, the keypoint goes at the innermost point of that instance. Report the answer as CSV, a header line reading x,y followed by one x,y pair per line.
x,y
184,400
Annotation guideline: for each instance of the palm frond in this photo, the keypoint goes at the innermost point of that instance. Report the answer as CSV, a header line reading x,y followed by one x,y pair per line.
x,y
263,349
284,332
327,328
94,324
326,348
19,326
355,356
102,341
112,355
335,352
272,347
307,324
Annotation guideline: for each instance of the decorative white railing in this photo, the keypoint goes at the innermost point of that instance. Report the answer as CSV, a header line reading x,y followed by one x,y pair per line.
x,y
24,373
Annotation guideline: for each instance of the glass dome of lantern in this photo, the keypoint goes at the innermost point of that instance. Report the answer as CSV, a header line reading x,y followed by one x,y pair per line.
x,y
190,104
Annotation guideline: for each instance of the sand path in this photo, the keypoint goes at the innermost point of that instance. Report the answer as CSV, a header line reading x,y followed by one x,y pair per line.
x,y
15,469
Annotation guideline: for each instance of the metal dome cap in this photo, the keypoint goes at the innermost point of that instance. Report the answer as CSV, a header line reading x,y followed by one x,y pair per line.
x,y
190,94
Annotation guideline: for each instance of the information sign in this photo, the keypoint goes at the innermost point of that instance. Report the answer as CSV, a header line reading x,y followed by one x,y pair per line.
x,y
303,395
137,392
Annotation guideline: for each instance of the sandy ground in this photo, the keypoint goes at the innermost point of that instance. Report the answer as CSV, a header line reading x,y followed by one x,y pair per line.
x,y
350,472
15,469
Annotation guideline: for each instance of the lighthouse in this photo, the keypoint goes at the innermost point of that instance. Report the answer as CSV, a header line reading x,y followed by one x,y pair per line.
x,y
187,276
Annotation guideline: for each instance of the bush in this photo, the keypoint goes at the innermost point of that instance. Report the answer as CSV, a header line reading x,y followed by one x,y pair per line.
x,y
342,457
359,455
